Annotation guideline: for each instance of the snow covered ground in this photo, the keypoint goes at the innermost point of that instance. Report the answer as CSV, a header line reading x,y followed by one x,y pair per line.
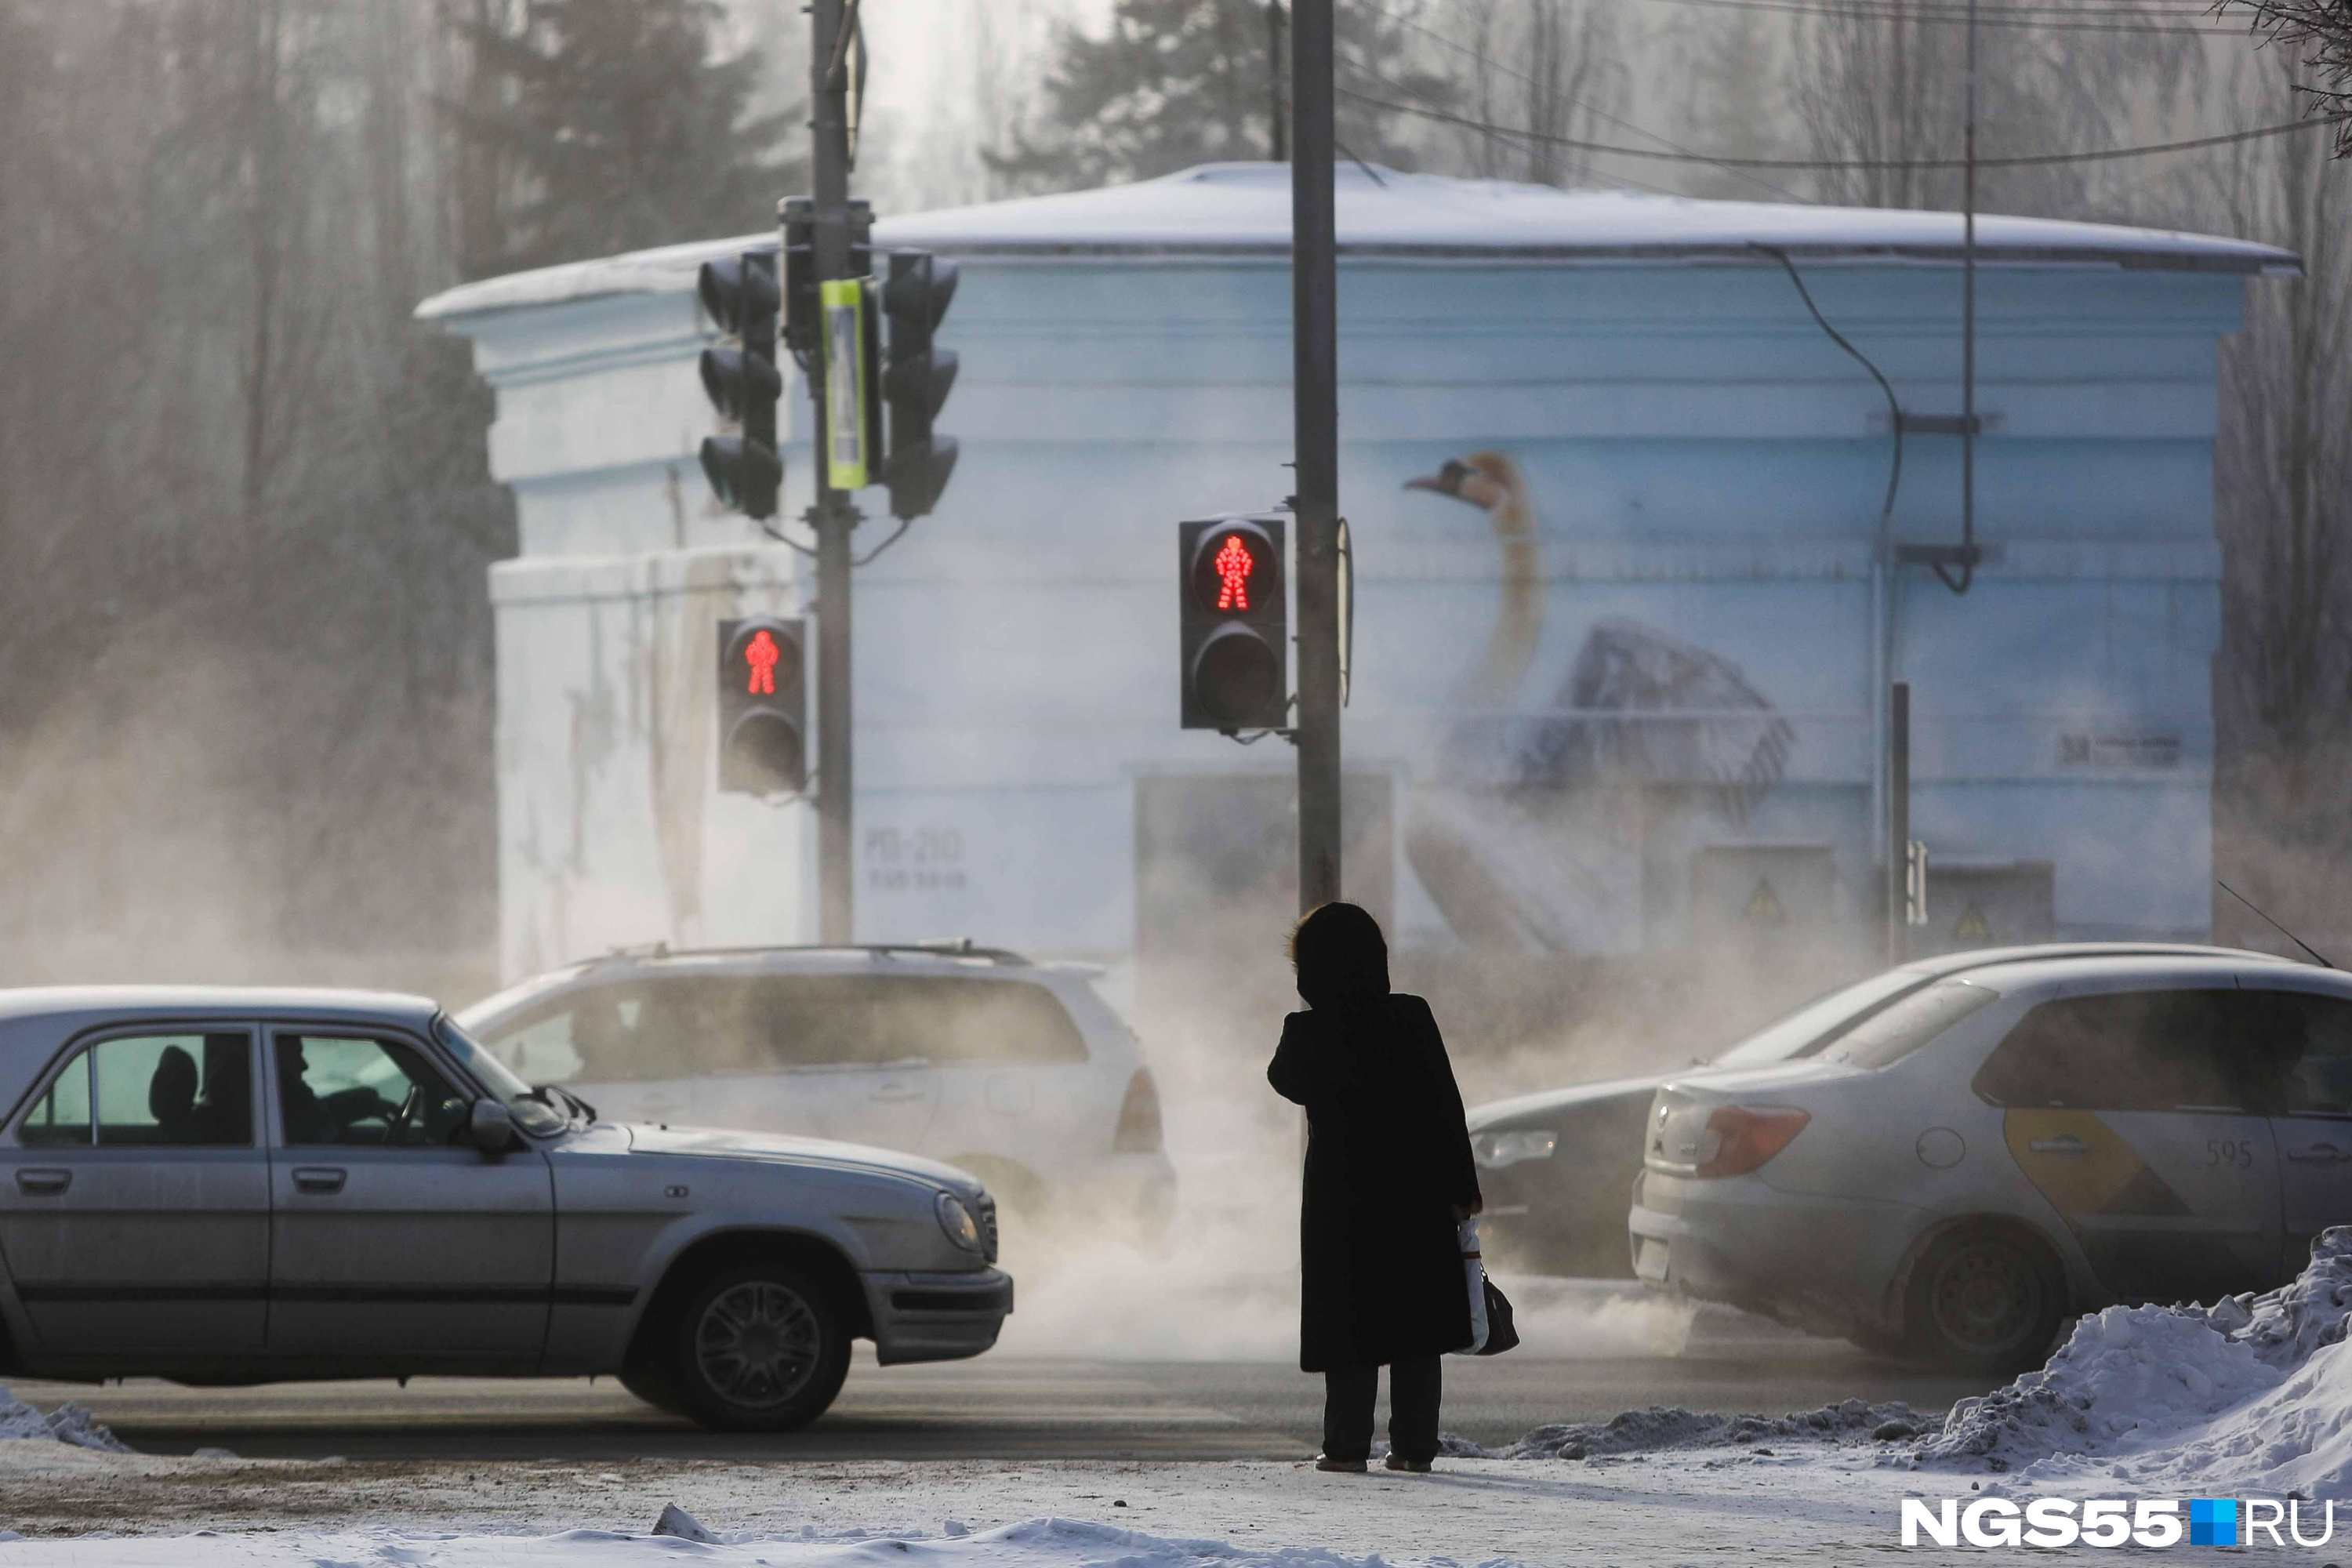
x,y
2251,1397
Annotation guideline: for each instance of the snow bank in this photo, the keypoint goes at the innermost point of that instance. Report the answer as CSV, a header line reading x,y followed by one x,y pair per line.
x,y
1661,1429
65,1424
1033,1543
2252,1393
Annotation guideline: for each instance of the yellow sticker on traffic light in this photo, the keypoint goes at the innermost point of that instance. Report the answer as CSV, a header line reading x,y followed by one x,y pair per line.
x,y
844,303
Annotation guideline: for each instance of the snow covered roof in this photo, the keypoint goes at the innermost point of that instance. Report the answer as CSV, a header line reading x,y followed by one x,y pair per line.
x,y
1243,210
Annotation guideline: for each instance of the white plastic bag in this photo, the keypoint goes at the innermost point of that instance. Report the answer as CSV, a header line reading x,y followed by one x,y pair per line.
x,y
1473,1270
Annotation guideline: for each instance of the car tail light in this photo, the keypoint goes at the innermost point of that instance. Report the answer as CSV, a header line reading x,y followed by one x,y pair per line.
x,y
1139,1117
1740,1138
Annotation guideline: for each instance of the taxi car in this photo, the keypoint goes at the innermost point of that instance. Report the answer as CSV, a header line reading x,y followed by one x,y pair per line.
x,y
235,1186
1556,1165
1971,1165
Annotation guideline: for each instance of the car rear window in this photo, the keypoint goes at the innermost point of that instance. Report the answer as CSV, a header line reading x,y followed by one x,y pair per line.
x,y
686,1025
1894,1031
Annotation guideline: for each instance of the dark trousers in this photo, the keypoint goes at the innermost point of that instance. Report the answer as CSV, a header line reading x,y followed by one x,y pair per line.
x,y
1415,1385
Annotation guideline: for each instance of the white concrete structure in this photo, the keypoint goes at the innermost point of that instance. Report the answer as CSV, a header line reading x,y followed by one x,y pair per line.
x,y
1687,479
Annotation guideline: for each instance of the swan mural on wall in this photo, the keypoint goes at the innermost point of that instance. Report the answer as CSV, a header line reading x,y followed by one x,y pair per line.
x,y
1526,825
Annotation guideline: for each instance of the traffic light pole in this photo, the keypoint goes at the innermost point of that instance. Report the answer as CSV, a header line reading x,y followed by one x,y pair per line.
x,y
1315,379
833,515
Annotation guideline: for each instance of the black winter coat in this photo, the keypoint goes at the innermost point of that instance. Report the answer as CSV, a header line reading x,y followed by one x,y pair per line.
x,y
1387,1159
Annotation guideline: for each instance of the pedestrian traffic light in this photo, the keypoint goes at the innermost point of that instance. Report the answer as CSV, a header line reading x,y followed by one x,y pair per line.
x,y
763,706
1234,626
917,377
739,294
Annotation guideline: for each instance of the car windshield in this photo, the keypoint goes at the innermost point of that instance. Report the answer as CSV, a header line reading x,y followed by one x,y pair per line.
x,y
518,994
532,1112
1812,1027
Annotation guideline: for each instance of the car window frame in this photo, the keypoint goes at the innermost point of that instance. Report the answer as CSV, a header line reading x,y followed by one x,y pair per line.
x,y
89,1039
2136,986
348,1028
2283,1108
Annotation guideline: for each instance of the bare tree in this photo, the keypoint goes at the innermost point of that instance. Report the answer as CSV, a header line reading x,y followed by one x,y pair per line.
x,y
2283,482
2323,30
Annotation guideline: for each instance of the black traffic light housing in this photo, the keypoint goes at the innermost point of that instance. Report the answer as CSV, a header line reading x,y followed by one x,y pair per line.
x,y
739,293
763,706
803,314
1234,623
917,376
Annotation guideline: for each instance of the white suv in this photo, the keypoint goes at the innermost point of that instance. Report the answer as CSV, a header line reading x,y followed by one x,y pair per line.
x,y
1017,1072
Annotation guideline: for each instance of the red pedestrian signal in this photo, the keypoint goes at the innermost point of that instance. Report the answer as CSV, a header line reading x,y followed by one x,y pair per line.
x,y
1236,569
762,707
1234,637
760,656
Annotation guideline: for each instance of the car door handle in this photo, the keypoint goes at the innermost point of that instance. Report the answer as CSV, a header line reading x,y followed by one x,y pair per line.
x,y
318,1179
2320,1154
2068,1146
892,1092
44,1183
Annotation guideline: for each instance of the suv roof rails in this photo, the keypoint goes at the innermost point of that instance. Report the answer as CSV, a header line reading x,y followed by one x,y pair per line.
x,y
961,948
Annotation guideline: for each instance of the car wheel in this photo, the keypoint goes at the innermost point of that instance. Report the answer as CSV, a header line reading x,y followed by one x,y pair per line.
x,y
759,1348
1986,1301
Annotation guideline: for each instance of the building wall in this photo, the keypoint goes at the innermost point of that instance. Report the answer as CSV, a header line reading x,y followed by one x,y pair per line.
x,y
1703,465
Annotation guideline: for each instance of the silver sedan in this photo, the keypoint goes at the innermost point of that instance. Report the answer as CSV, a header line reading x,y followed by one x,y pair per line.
x,y
245,1186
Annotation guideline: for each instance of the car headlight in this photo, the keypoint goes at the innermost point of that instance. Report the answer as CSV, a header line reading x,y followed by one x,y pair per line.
x,y
1495,1150
957,1221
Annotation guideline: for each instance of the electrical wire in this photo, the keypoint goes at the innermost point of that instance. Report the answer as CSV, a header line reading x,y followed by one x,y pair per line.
x,y
868,558
1624,181
1952,18
770,531
1893,407
2029,161
1597,113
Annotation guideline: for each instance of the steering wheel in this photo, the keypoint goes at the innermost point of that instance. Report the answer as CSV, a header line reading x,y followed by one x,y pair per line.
x,y
398,1121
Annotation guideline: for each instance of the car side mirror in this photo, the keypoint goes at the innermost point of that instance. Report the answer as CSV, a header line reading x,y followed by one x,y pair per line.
x,y
491,1126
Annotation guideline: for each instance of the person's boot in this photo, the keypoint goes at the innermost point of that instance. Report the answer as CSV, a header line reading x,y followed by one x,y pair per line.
x,y
1341,1466
1396,1461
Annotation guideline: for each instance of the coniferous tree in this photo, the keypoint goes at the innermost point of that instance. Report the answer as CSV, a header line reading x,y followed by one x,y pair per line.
x,y
1171,83
620,128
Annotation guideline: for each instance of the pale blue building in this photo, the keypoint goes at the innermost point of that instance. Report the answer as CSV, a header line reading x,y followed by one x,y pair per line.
x,y
1617,676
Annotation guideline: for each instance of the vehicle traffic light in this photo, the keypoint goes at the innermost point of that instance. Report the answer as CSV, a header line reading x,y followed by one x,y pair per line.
x,y
739,294
917,377
1234,626
804,312
763,706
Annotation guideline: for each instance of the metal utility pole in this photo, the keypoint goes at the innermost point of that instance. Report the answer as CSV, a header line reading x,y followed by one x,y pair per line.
x,y
1968,313
1276,149
1315,375
1898,821
832,516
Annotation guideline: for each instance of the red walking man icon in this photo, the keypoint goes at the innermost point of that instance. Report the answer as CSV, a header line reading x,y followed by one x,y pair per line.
x,y
1233,564
761,653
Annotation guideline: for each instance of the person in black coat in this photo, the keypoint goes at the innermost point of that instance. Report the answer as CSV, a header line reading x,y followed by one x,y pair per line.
x,y
1389,1178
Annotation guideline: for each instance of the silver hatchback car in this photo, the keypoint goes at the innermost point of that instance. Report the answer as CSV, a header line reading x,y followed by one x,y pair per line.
x,y
233,1186
1968,1163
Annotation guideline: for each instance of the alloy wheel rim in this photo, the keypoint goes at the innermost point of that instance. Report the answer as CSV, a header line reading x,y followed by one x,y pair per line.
x,y
1987,1298
757,1343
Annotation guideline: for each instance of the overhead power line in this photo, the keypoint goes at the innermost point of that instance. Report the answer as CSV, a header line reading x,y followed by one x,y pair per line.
x,y
2022,161
1949,16
1595,110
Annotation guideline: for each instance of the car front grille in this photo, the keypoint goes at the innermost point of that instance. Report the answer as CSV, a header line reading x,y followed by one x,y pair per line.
x,y
984,1211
